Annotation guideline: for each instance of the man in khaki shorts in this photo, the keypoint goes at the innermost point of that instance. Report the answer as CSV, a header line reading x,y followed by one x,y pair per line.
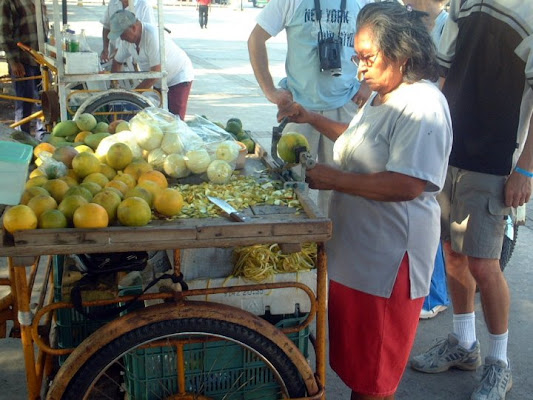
x,y
488,85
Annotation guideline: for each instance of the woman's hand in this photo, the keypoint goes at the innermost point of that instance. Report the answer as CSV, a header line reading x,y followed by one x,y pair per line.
x,y
295,112
321,177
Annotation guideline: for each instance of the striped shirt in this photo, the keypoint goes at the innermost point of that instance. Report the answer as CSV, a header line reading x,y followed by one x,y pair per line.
x,y
18,21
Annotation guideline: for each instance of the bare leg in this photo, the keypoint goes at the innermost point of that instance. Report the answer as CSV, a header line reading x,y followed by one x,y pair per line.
x,y
495,297
461,283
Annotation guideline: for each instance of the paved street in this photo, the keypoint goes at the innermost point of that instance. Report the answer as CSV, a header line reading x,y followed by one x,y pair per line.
x,y
225,87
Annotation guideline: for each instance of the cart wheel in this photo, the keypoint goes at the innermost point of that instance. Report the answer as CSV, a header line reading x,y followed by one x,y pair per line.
x,y
114,104
220,358
50,106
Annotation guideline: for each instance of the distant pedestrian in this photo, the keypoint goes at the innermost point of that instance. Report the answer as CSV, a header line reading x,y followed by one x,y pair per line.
x,y
18,23
203,11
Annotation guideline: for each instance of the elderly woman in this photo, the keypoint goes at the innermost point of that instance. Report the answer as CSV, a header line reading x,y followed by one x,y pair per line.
x,y
390,163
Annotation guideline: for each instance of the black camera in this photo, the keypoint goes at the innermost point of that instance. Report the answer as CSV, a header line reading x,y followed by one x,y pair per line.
x,y
329,51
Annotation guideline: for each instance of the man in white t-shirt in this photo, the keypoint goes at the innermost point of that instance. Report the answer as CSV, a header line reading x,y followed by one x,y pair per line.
x,y
334,96
143,10
145,50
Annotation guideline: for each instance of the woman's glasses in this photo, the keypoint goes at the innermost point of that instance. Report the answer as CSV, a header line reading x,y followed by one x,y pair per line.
x,y
368,61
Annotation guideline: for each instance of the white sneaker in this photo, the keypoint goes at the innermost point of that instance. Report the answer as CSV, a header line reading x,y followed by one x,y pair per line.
x,y
427,314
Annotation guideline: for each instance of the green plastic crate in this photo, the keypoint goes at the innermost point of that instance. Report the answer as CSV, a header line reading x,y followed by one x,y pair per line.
x,y
73,327
151,373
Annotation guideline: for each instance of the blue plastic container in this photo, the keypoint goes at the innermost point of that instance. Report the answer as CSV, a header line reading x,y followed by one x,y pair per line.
x,y
14,160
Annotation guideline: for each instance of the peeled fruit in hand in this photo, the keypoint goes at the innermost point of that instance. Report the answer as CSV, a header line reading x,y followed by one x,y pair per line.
x,y
219,171
197,160
134,211
119,156
227,151
86,122
288,144
175,166
19,218
168,202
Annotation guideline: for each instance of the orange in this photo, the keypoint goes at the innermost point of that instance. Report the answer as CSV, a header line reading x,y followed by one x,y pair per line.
x,y
69,205
288,144
119,185
36,181
97,177
80,137
151,186
57,188
168,202
52,219
156,176
127,179
141,192
85,163
134,211
90,215
119,156
110,201
19,218
109,172
91,187
44,146
42,203
31,192
137,167
114,190
69,179
81,191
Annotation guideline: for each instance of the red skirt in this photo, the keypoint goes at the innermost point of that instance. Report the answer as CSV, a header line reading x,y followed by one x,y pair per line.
x,y
370,337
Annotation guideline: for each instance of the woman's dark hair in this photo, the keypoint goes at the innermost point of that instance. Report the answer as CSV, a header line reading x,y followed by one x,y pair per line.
x,y
399,32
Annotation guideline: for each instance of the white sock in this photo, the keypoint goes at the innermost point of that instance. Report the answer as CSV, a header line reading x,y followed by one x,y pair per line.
x,y
498,346
464,327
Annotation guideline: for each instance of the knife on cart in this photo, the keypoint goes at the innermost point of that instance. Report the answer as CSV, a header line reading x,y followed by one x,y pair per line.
x,y
230,210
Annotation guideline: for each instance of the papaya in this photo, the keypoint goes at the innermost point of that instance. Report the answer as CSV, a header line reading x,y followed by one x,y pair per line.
x,y
94,140
288,144
65,129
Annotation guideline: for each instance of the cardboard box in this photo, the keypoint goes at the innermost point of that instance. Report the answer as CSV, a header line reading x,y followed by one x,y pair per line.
x,y
14,160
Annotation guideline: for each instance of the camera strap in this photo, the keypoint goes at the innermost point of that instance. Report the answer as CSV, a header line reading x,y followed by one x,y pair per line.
x,y
318,13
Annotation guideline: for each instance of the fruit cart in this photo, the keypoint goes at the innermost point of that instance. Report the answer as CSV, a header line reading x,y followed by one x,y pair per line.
x,y
201,349
78,78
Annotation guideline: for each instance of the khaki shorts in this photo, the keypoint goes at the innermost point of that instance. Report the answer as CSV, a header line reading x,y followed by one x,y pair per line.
x,y
473,212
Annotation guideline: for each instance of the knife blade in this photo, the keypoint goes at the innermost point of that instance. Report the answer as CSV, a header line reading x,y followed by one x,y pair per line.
x,y
225,206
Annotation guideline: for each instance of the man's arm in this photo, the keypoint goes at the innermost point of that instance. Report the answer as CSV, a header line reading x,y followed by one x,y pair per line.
x,y
518,186
104,56
148,83
259,61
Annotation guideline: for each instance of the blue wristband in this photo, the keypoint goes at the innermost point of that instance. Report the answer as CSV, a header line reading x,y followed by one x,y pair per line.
x,y
524,172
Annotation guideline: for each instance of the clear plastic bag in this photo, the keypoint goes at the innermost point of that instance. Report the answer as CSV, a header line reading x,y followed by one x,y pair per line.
x,y
51,167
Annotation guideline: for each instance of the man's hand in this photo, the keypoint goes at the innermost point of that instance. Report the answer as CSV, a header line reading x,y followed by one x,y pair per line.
x,y
280,97
17,69
104,56
517,190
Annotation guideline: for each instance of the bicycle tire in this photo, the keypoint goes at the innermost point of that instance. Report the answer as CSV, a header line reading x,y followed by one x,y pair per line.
x,y
119,98
94,376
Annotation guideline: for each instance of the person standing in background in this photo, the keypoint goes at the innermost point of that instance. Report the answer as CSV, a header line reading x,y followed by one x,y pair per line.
x,y
203,12
437,300
489,174
332,93
18,21
143,10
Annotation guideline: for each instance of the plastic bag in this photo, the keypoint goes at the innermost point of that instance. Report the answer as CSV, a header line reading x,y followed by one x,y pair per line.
x,y
51,167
